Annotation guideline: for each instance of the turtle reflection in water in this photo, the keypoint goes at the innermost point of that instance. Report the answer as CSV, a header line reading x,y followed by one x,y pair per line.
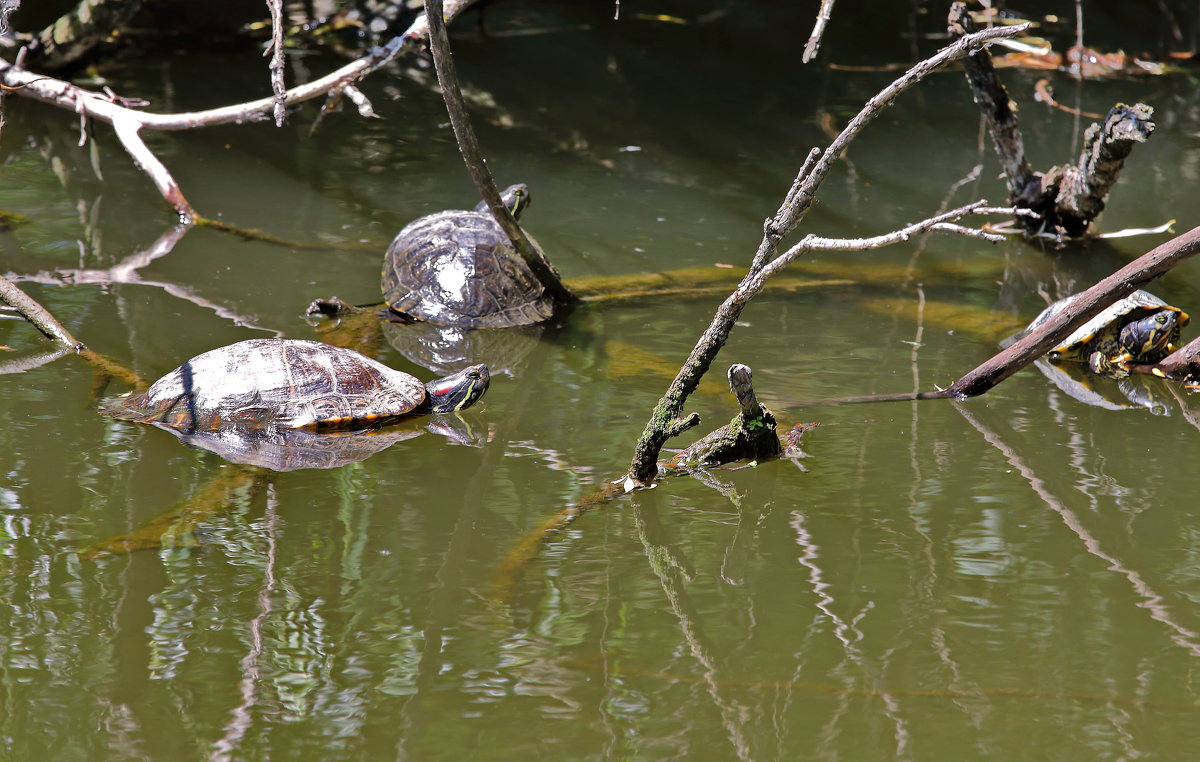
x,y
1141,328
294,449
277,384
458,268
444,349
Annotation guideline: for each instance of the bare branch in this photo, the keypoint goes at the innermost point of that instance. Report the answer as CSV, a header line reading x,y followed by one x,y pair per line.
x,y
275,50
814,39
37,314
1116,286
644,467
89,104
468,146
659,428
127,131
793,210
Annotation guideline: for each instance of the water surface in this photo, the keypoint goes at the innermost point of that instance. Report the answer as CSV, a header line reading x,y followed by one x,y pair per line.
x,y
944,581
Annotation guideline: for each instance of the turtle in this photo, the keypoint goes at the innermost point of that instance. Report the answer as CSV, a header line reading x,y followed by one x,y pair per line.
x,y
277,384
458,268
1141,328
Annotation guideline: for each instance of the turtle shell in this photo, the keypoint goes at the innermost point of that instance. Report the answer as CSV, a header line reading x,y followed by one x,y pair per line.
x,y
458,268
1102,333
273,384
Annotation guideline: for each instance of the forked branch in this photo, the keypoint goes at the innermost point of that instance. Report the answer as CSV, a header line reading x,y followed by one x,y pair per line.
x,y
129,122
766,262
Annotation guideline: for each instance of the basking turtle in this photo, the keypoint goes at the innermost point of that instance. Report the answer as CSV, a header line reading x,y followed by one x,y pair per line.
x,y
1141,328
458,268
291,384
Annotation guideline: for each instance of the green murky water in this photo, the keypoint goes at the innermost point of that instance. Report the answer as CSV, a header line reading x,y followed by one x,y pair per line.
x,y
1013,577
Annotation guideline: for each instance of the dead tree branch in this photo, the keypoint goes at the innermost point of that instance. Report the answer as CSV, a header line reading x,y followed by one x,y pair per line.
x,y
275,50
814,39
665,420
129,122
1067,198
468,146
37,314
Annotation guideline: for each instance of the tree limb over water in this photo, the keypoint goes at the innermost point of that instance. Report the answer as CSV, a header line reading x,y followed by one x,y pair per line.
x,y
665,420
468,146
1087,305
128,123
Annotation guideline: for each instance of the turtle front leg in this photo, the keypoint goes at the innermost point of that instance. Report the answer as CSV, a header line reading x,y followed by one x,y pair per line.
x,y
1116,366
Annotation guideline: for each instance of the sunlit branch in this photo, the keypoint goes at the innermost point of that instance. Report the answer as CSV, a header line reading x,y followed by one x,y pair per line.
x,y
668,412
93,105
275,50
814,39
35,313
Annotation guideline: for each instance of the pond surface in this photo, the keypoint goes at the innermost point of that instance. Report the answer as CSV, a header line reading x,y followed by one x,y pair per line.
x,y
945,581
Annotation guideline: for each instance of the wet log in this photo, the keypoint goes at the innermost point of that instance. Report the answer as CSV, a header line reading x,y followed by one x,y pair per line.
x,y
1067,198
1182,365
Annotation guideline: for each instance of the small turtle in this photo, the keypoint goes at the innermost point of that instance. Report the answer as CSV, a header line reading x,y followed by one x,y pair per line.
x,y
1141,328
291,384
458,268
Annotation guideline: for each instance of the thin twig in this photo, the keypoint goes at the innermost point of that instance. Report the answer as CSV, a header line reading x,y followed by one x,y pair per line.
x,y
814,40
275,50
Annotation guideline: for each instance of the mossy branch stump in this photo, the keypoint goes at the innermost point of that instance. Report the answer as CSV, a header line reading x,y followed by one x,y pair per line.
x,y
750,436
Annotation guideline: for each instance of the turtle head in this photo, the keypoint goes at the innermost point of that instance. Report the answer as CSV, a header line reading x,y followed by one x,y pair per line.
x,y
1152,337
457,391
515,197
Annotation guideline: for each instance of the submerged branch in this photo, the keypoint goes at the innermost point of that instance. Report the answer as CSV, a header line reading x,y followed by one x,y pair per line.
x,y
75,33
468,146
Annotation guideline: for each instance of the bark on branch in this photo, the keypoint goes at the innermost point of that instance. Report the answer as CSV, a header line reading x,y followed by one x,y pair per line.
x,y
468,146
37,314
765,263
129,122
1067,198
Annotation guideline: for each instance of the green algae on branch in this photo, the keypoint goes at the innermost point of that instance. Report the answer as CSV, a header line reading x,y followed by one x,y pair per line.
x,y
751,435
